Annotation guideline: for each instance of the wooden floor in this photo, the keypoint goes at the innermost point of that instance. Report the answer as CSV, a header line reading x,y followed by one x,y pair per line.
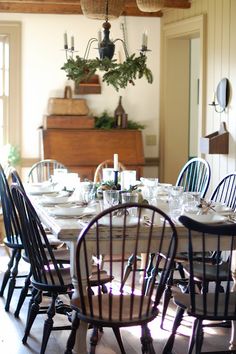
x,y
12,329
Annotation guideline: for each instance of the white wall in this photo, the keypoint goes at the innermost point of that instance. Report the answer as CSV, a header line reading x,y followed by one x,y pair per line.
x,y
42,58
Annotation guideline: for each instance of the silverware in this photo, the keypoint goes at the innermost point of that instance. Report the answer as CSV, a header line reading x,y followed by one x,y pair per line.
x,y
232,219
73,216
205,207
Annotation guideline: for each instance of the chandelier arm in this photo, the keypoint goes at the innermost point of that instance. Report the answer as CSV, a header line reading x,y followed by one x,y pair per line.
x,y
124,46
87,50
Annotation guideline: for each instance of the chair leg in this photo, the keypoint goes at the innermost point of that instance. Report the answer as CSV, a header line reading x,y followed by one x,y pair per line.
x,y
7,273
48,324
170,342
32,312
146,341
128,270
166,297
181,270
193,337
104,289
23,294
71,340
199,337
116,331
150,264
12,282
94,340
150,276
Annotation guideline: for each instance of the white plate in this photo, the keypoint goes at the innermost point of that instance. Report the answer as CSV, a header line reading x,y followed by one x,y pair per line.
x,y
118,221
207,218
221,208
165,184
40,191
56,198
71,211
40,188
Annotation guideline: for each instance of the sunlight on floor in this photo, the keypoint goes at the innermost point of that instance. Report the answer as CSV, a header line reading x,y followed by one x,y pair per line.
x,y
214,337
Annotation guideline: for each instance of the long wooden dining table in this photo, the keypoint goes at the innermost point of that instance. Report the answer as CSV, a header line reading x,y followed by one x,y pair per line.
x,y
68,230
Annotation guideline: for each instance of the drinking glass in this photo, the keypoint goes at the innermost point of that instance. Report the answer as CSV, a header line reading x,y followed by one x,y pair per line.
x,y
191,201
175,201
127,179
71,180
107,174
128,197
58,177
150,188
87,192
110,198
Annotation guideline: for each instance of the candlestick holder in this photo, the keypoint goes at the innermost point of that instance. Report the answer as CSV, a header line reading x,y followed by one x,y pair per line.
x,y
69,51
116,178
144,49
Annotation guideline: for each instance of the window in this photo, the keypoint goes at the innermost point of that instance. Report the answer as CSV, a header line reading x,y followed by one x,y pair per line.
x,y
4,86
10,74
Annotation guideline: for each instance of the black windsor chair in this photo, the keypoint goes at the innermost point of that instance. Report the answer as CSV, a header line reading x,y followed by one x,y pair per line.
x,y
62,254
47,274
122,307
211,304
225,191
195,176
12,240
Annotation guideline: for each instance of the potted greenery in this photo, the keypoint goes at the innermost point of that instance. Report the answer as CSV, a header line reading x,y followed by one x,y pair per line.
x,y
10,155
106,121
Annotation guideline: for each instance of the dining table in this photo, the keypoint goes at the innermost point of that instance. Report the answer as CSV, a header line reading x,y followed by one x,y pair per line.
x,y
67,229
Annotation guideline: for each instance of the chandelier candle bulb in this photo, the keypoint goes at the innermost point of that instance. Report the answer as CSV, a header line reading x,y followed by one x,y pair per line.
x,y
116,163
65,41
72,43
144,39
99,37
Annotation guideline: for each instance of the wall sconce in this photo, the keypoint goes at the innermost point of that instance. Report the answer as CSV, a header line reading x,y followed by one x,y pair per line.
x,y
221,96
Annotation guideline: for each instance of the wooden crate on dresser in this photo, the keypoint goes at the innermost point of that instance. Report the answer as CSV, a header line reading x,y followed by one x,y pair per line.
x,y
81,150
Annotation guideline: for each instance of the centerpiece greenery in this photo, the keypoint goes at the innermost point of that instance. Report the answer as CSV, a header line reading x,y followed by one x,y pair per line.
x,y
106,121
119,75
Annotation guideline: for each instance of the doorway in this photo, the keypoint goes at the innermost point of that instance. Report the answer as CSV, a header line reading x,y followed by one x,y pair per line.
x,y
194,58
182,95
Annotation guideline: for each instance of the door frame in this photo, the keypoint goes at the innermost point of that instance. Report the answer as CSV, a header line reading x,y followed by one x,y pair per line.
x,y
187,28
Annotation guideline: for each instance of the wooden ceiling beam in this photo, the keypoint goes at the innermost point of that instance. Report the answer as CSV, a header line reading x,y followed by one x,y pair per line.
x,y
179,4
35,8
73,7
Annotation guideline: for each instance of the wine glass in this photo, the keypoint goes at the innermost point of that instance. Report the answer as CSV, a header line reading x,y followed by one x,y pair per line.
x,y
110,198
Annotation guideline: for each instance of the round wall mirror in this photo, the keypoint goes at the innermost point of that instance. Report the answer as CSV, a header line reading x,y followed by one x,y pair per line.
x,y
222,93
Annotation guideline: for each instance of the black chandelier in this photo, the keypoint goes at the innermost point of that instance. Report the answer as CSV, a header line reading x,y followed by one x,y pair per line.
x,y
106,47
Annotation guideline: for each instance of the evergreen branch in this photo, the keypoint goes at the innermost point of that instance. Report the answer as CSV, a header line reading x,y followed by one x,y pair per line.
x,y
117,75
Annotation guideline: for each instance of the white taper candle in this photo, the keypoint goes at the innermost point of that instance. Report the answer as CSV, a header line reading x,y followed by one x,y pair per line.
x,y
116,163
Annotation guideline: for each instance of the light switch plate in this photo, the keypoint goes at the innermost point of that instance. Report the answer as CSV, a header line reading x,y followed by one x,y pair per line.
x,y
151,140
